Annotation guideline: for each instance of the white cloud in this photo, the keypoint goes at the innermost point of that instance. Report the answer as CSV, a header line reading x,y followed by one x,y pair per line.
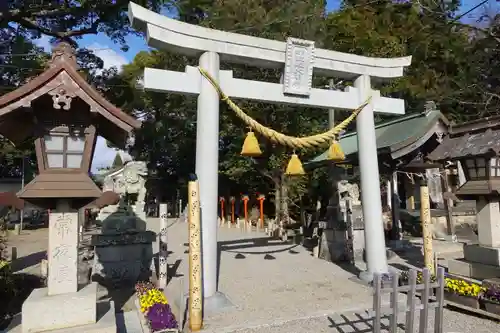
x,y
110,57
103,155
44,42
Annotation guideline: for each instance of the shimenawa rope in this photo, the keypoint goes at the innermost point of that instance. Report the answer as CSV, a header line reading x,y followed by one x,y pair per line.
x,y
312,141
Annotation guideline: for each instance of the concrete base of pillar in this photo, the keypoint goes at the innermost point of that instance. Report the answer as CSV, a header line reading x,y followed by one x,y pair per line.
x,y
214,304
217,303
367,277
400,244
482,254
473,269
68,313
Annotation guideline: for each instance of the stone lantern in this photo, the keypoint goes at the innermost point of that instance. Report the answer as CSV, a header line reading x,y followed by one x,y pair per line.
x,y
476,146
63,115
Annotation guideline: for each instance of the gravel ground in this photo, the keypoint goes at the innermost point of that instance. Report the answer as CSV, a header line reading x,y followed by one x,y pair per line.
x,y
273,284
269,281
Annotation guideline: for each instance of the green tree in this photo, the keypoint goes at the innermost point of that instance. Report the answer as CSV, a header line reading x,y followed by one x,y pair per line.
x,y
70,20
440,51
20,59
166,140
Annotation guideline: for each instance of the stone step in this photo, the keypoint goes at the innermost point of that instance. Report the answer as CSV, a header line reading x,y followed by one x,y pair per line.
x,y
472,269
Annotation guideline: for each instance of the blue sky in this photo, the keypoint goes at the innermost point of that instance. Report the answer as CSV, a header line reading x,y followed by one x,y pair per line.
x,y
111,54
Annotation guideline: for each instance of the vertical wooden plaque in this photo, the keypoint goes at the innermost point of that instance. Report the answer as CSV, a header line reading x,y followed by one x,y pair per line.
x,y
195,278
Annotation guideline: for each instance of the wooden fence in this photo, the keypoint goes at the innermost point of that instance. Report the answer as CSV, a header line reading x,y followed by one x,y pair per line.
x,y
411,307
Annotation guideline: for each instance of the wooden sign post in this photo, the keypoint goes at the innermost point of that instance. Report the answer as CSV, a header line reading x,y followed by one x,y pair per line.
x,y
425,216
195,278
163,248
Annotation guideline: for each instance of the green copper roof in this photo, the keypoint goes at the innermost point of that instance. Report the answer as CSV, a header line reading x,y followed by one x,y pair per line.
x,y
391,135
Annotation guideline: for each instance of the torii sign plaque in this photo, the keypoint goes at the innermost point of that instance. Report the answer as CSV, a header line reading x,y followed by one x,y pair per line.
x,y
299,59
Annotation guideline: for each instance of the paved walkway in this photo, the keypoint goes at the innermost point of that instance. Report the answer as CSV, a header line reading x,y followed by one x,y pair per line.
x,y
280,288
268,281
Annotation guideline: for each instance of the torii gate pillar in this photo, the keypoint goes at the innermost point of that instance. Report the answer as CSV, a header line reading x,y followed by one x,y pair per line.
x,y
207,168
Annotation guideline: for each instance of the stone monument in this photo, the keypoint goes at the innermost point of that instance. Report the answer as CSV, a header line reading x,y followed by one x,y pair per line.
x,y
342,236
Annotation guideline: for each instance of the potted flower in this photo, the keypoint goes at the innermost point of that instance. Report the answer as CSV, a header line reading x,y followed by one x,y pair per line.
x,y
156,314
404,279
161,318
490,299
463,292
142,287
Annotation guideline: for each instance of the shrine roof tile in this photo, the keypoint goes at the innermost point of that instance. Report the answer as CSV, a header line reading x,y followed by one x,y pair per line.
x,y
475,138
391,135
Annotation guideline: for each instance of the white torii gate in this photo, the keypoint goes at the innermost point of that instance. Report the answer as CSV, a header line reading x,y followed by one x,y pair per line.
x,y
299,59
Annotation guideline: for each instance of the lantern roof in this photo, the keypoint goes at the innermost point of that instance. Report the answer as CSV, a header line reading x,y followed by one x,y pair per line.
x,y
470,139
64,84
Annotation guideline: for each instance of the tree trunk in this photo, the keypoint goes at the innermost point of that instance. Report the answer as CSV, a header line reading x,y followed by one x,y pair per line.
x,y
281,198
277,199
284,199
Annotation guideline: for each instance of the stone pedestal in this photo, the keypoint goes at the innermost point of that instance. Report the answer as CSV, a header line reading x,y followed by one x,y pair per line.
x,y
63,253
346,240
482,261
124,249
62,305
121,259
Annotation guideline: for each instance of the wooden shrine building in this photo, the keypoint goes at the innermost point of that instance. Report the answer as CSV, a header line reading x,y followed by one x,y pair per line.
x,y
401,144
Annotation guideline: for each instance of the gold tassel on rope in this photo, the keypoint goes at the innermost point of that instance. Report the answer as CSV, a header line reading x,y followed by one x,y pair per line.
x,y
251,146
335,152
294,167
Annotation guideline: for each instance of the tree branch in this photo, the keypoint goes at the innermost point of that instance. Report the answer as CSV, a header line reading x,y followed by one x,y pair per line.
x,y
477,29
28,18
27,23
